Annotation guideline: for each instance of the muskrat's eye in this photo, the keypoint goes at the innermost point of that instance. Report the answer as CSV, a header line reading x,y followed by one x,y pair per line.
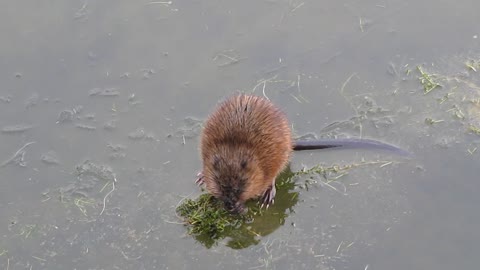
x,y
243,164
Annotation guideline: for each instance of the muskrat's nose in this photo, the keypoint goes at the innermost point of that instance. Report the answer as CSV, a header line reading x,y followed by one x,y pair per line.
x,y
240,208
229,205
234,207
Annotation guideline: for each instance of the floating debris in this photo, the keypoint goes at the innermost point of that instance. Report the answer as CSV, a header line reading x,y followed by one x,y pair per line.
x,y
65,116
32,100
146,73
132,100
85,191
16,128
190,129
117,151
137,134
106,92
86,127
431,121
427,81
474,129
110,125
6,99
82,13
140,134
90,116
50,158
473,65
99,171
18,158
77,109
68,115
226,58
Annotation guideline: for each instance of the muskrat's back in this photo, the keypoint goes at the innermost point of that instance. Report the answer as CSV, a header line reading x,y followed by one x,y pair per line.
x,y
245,143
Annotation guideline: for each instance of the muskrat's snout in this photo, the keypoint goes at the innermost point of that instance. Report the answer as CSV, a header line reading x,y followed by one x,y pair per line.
x,y
234,207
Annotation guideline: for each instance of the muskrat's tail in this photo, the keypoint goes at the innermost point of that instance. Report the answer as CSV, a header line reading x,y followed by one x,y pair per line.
x,y
345,144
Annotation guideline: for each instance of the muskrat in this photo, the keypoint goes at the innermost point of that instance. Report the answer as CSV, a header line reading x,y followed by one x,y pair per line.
x,y
246,142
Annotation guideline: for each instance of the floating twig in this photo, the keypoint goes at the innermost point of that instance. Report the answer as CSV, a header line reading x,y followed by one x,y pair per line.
x,y
18,153
105,198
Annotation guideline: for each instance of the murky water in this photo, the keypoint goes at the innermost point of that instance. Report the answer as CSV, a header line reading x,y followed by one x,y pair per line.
x,y
101,105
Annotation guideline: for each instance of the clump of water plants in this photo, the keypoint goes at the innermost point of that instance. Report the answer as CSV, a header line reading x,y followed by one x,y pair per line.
x,y
206,216
208,222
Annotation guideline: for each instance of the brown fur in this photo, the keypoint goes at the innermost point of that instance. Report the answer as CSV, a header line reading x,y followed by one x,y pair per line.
x,y
246,142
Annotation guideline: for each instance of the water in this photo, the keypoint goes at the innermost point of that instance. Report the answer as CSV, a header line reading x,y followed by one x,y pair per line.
x,y
107,100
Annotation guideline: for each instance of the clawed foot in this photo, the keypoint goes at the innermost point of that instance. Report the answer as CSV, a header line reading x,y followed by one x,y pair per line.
x,y
199,180
268,197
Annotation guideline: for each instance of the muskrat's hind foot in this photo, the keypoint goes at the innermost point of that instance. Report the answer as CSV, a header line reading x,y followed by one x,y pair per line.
x,y
268,197
199,180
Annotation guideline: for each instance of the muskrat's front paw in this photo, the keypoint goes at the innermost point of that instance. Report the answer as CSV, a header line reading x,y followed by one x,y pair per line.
x,y
268,197
199,180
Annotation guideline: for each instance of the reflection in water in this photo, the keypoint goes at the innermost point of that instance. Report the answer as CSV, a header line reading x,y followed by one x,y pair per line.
x,y
263,222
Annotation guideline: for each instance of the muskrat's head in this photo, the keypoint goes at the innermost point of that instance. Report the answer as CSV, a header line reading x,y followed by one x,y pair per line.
x,y
229,175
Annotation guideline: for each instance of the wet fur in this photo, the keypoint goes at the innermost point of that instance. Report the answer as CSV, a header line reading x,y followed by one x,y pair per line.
x,y
246,142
